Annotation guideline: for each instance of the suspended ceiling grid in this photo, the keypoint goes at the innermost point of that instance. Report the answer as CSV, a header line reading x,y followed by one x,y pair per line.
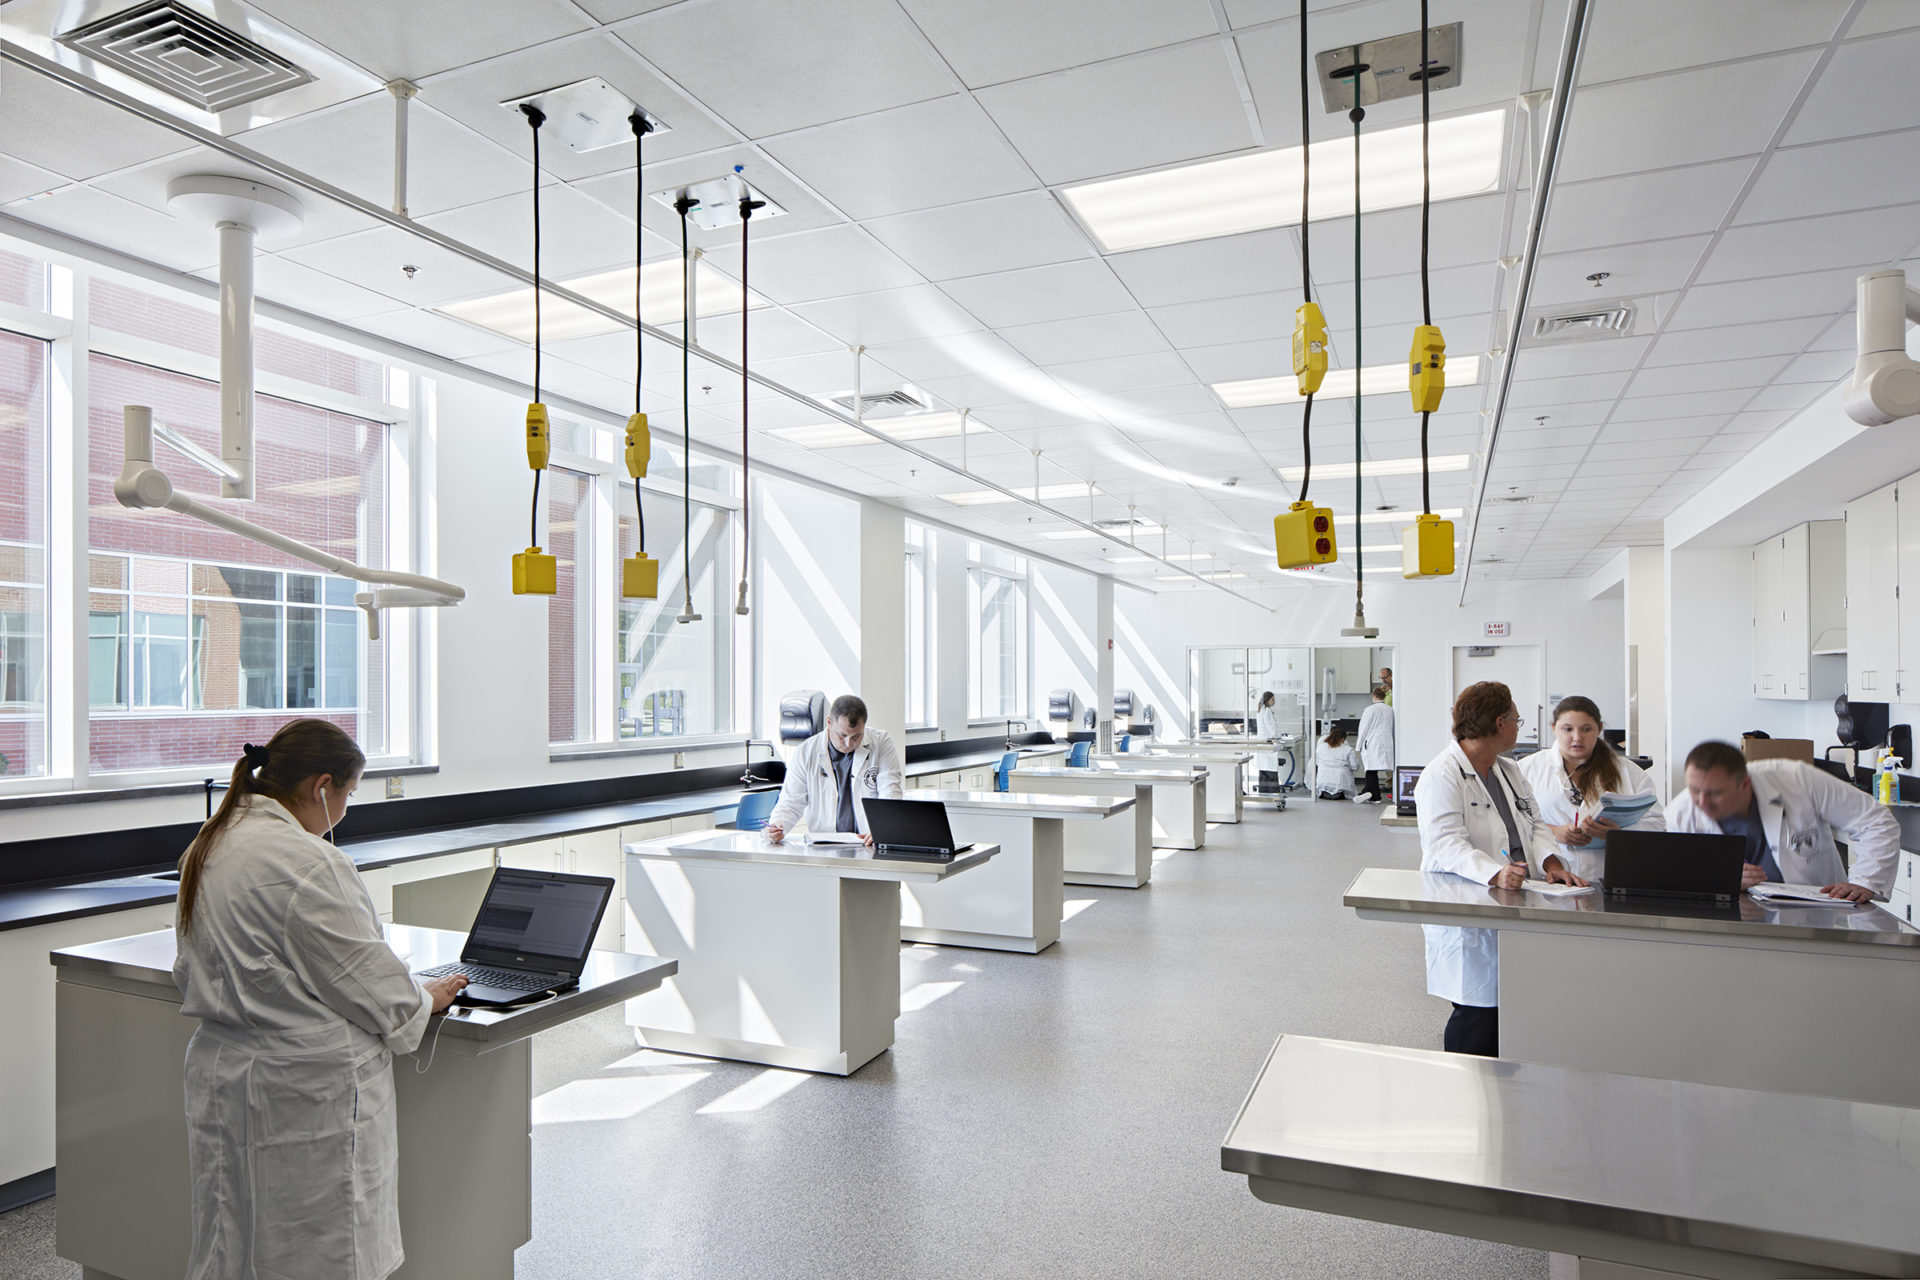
x,y
1719,175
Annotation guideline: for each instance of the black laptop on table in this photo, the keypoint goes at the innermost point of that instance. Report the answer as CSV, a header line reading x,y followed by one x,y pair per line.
x,y
1673,864
912,829
531,936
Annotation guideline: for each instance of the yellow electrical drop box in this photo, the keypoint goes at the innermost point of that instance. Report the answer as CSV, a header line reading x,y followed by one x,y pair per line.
x,y
539,440
1427,369
1303,535
640,578
1426,548
535,574
639,445
1309,347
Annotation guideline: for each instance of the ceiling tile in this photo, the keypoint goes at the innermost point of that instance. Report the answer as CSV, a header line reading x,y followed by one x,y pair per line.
x,y
59,129
1818,366
1213,323
1633,271
413,40
19,180
804,212
1034,295
1788,395
1616,46
915,157
1540,393
122,225
435,333
896,315
950,357
373,260
1628,127
1693,428
1866,88
1171,106
1609,355
578,235
1728,342
1878,16
977,38
1121,373
831,262
984,237
1719,375
1635,207
278,280
1059,341
1826,177
321,219
1812,244
1690,405
1816,293
1226,267
772,66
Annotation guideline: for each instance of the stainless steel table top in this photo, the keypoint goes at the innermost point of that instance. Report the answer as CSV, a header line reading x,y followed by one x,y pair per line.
x,y
1142,777
1037,804
1816,1180
1216,755
1387,891
752,848
146,959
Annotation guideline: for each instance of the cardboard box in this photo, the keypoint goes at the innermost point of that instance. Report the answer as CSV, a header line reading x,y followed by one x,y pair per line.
x,y
1777,748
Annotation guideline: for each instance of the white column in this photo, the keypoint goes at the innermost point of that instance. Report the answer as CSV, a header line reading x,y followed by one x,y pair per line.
x,y
883,615
1646,659
1103,660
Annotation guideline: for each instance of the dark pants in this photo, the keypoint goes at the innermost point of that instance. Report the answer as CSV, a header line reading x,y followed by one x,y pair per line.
x,y
1370,786
1473,1029
1269,782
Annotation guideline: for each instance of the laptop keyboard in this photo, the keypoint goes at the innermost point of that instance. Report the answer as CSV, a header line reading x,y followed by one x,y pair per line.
x,y
486,976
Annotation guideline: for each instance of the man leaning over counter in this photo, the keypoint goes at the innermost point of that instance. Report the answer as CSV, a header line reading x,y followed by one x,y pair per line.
x,y
833,771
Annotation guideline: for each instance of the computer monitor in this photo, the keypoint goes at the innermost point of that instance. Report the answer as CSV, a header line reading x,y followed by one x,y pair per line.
x,y
1404,778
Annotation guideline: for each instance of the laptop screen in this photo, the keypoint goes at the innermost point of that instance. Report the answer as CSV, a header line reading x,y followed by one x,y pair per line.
x,y
919,823
538,916
1404,779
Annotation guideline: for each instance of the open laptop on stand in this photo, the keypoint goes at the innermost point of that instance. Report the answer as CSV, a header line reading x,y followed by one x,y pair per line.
x,y
1404,778
913,829
531,936
1672,864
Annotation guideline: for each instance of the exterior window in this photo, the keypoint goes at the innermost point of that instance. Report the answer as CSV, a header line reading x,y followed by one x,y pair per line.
x,y
997,602
674,679
23,550
570,611
919,628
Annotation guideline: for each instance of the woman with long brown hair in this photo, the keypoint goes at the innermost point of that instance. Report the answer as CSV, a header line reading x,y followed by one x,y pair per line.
x,y
1570,777
291,1140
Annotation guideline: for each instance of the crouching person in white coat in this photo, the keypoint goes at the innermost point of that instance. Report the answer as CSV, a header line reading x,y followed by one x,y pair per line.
x,y
1788,811
830,773
292,1146
1478,820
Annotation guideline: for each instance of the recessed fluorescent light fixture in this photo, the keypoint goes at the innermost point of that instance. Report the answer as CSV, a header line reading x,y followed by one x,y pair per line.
x,y
1398,517
1390,548
1249,193
1375,380
1143,528
1178,557
987,497
511,314
1378,467
918,426
1183,577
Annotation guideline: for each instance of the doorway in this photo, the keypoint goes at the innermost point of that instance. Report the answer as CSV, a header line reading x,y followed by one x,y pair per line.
x,y
1521,667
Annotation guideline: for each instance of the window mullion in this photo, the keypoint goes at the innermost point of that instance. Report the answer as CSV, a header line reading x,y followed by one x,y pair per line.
x,y
68,726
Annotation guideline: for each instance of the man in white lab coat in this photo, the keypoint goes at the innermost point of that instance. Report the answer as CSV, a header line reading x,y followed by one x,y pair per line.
x,y
1478,820
1788,811
1376,746
830,773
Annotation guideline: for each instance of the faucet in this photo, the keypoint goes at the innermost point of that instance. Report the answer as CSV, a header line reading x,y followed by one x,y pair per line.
x,y
1010,724
750,778
212,785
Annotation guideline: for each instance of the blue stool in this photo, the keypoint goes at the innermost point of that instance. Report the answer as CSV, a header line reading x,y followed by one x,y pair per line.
x,y
1003,776
1126,743
1077,755
755,808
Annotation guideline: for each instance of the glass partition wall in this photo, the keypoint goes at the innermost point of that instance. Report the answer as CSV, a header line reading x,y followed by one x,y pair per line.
x,y
1313,687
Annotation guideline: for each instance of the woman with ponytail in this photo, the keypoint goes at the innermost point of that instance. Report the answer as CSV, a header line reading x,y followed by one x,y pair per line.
x,y
291,1140
1577,770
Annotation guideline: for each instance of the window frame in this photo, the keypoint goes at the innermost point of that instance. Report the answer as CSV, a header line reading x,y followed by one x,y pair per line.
x,y
986,560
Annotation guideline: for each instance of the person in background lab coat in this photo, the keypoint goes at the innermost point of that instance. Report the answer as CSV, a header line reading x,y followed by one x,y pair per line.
x,y
1334,761
292,1148
1580,767
1266,729
1376,746
1478,820
830,773
1788,811
1386,682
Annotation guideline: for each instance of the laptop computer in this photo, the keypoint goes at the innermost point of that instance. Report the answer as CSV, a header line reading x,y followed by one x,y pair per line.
x,y
1404,778
1671,864
530,937
915,829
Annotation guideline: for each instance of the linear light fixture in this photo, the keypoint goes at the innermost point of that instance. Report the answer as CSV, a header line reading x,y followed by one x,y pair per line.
x,y
1375,380
1210,577
988,497
1375,467
1248,193
1390,548
1177,557
511,314
1144,528
917,426
1396,517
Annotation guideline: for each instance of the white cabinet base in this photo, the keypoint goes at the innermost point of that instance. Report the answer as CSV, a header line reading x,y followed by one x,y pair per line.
x,y
1013,903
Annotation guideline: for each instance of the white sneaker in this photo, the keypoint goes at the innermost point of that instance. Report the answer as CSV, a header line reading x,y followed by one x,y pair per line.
x,y
1360,800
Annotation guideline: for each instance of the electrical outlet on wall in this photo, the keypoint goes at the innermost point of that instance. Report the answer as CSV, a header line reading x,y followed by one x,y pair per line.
x,y
394,788
679,760
943,735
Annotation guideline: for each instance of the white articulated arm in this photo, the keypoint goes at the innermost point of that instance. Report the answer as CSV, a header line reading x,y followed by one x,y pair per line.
x,y
1886,381
141,484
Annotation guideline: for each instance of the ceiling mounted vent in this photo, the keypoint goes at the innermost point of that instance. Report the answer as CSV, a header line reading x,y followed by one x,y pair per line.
x,y
1387,68
904,399
1126,525
184,53
1583,326
1511,498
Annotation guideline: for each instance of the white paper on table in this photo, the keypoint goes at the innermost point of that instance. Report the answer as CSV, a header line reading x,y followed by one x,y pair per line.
x,y
1553,890
834,837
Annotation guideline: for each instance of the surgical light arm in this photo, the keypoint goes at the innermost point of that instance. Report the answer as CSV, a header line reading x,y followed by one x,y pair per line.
x,y
1886,381
142,485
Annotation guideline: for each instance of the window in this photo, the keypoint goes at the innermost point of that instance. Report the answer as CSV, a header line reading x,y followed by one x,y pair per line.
x,y
997,604
23,553
199,640
919,629
674,679
569,539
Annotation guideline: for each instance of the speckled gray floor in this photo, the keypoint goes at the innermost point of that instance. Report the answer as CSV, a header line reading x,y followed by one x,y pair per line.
x,y
1055,1114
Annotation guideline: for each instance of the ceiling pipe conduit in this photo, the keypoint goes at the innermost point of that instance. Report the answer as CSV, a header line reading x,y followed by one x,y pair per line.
x,y
72,79
1543,180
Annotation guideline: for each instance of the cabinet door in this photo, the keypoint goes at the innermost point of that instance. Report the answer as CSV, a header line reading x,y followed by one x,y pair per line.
x,y
1907,579
1873,576
1767,618
597,853
1796,640
534,855
1859,537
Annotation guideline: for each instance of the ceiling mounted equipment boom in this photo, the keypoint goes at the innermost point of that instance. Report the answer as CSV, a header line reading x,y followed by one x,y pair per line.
x,y
1426,545
684,206
640,572
535,573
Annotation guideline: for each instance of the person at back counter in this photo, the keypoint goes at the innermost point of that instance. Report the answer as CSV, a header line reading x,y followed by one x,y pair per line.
x,y
1788,811
833,771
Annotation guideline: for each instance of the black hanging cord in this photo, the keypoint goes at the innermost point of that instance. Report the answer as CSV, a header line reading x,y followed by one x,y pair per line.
x,y
640,130
1426,206
683,206
1356,115
1306,250
535,118
747,205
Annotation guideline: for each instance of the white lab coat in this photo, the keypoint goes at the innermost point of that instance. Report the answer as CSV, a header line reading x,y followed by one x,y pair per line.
x,y
812,789
1461,832
1800,808
1547,774
1266,728
1376,738
292,1146
1333,768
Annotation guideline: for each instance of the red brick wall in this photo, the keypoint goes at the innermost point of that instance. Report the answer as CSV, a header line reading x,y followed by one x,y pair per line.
x,y
23,481
569,505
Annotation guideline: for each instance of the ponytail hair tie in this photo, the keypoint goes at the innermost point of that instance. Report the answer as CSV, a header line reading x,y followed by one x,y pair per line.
x,y
256,757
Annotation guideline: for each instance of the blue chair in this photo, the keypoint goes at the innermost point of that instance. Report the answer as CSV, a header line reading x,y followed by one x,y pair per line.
x,y
755,808
1003,776
1077,755
1126,743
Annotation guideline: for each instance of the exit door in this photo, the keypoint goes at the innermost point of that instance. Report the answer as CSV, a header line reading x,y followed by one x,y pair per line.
x,y
1521,667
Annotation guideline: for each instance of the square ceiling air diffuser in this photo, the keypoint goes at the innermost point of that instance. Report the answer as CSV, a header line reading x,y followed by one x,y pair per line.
x,y
182,52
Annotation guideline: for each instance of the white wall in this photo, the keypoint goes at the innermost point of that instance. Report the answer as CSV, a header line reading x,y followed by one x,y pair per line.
x,y
807,604
1063,654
